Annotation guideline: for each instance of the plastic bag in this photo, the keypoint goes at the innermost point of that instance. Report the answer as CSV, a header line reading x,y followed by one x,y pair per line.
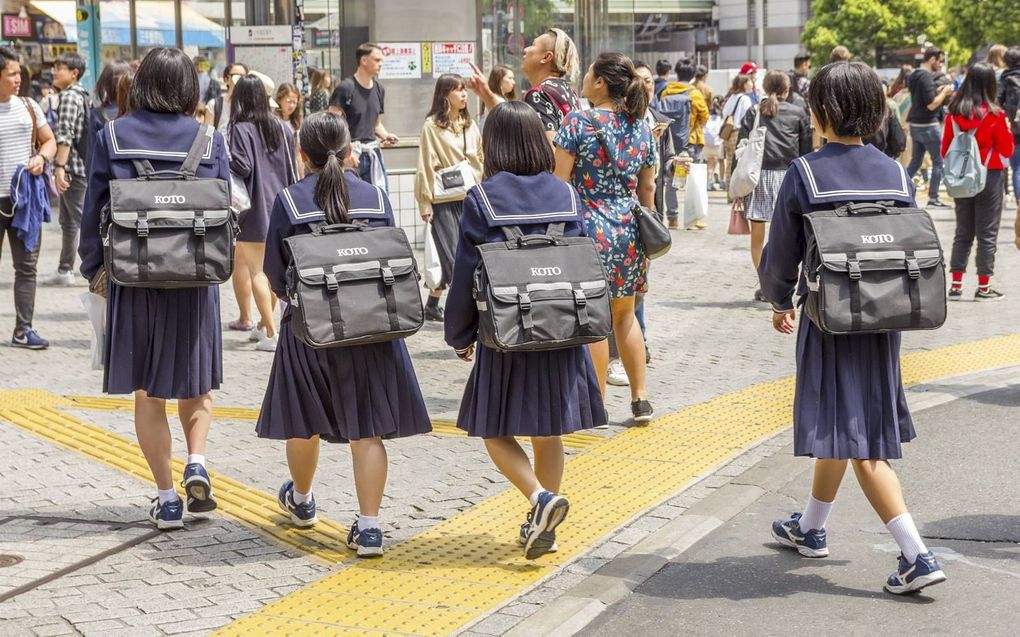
x,y
95,307
696,195
240,200
432,269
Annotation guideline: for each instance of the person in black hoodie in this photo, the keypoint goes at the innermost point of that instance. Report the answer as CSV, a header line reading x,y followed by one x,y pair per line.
x,y
1009,99
925,121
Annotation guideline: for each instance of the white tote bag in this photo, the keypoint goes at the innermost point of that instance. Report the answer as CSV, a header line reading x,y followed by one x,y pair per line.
x,y
696,194
432,269
749,155
95,307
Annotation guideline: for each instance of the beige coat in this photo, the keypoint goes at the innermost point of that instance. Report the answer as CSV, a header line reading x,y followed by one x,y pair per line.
x,y
441,148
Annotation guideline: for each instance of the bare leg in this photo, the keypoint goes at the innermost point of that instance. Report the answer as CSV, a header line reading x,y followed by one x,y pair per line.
x,y
241,280
548,461
828,475
370,468
196,417
302,460
513,463
265,301
153,434
630,344
600,360
757,242
881,487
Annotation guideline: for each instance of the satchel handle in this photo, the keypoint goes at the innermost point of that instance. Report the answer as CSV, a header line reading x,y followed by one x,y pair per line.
x,y
535,239
337,228
877,208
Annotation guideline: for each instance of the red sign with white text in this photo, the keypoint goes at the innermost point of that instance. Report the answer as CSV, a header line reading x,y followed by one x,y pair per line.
x,y
17,27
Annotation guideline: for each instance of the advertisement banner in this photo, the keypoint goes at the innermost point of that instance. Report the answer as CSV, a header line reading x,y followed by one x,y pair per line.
x,y
401,61
452,57
89,45
17,27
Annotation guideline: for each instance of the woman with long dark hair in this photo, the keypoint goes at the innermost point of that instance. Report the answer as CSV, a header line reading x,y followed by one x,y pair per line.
x,y
262,156
619,101
973,108
167,344
357,395
544,395
450,143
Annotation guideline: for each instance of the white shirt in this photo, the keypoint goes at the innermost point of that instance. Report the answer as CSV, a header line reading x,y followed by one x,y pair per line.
x,y
737,106
16,138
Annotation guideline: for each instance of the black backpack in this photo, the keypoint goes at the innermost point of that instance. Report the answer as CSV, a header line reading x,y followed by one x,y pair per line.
x,y
170,229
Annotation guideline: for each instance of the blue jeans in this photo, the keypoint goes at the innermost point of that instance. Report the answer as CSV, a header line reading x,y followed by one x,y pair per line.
x,y
927,139
1014,171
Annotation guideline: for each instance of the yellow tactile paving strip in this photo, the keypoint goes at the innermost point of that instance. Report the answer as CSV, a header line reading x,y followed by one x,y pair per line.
x,y
579,440
465,567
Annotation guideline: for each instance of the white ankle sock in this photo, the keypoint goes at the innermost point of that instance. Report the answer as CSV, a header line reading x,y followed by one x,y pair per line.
x,y
533,498
301,498
366,522
816,514
196,458
905,533
167,495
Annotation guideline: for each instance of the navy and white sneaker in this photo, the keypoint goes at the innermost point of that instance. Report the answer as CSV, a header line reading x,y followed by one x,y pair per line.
x,y
198,487
546,515
367,543
910,578
809,544
167,516
303,514
29,339
526,528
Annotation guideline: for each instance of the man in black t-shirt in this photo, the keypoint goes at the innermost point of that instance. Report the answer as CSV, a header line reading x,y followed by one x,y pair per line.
x,y
361,99
925,124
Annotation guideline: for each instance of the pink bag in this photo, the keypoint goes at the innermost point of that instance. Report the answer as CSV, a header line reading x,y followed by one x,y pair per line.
x,y
738,222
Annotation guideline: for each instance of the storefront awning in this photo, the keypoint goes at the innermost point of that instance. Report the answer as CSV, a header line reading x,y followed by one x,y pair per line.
x,y
154,21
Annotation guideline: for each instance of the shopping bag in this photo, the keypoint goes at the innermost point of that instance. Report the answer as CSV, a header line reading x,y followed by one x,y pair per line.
x,y
432,269
696,195
95,307
738,220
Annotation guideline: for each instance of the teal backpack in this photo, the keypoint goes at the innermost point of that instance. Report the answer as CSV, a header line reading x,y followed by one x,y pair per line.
x,y
964,173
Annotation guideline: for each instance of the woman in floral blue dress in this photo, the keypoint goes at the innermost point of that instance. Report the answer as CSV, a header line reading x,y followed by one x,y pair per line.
x,y
619,100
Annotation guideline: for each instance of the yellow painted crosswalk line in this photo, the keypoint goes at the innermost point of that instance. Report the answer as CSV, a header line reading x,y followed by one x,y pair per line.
x,y
462,569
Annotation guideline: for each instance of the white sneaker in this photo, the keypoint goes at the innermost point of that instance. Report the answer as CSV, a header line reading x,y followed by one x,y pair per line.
x,y
266,344
617,374
61,278
256,334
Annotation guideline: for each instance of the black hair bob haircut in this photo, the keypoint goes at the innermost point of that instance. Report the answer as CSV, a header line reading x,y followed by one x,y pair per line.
x,y
514,141
166,82
848,98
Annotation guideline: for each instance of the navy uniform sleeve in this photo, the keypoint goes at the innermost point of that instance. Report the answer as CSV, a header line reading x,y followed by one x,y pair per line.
x,y
97,195
242,151
461,314
274,263
780,260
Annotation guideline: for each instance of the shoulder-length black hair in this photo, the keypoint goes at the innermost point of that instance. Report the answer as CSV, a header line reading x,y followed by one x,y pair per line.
x,y
250,103
166,82
106,85
440,110
514,141
848,98
326,142
626,88
979,89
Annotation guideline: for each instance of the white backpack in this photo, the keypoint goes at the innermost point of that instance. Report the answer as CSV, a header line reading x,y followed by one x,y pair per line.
x,y
964,173
750,153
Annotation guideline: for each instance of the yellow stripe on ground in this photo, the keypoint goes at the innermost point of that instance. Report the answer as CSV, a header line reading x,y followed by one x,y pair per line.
x,y
36,411
467,566
579,440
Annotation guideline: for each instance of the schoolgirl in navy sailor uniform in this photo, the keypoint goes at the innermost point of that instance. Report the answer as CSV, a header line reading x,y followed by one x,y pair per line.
x,y
849,402
161,344
359,394
542,394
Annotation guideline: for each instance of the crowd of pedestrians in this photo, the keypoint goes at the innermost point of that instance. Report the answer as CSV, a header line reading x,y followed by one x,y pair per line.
x,y
556,163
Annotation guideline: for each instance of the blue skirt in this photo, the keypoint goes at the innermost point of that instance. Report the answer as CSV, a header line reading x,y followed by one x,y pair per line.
x,y
166,342
531,394
341,393
849,401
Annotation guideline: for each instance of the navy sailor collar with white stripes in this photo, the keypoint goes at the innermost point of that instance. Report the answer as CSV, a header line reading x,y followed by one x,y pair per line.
x,y
841,172
367,201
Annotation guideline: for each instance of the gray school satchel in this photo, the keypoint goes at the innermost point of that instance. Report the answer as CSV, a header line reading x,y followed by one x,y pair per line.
x,y
170,229
541,292
352,284
874,268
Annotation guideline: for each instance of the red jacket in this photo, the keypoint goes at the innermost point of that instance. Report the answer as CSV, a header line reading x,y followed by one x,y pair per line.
x,y
992,131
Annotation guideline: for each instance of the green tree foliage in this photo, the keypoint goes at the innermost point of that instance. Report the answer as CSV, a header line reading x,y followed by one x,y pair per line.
x,y
975,23
868,27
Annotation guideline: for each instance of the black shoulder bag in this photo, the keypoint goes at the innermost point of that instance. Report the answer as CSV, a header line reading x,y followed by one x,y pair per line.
x,y
655,236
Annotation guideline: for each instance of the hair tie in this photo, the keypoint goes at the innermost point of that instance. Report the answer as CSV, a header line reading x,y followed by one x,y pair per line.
x,y
331,153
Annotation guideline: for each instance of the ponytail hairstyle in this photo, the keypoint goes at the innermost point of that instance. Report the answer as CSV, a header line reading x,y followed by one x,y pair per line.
x,y
626,87
775,84
326,142
565,62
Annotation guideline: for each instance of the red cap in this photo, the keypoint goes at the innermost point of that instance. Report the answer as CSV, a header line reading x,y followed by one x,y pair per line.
x,y
749,68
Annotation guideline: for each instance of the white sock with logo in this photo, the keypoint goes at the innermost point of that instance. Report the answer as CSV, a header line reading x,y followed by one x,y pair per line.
x,y
196,458
816,514
301,498
167,495
533,498
366,522
905,533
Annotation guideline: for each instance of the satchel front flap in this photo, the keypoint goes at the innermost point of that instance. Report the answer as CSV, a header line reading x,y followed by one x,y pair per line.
x,y
872,260
877,241
371,253
543,271
169,203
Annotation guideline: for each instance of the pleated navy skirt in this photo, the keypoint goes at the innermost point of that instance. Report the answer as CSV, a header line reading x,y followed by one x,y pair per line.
x,y
166,342
531,394
446,234
341,393
849,401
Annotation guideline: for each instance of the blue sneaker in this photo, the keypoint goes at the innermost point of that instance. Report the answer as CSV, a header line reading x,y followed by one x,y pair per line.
x,y
198,488
810,544
546,515
910,578
29,339
526,528
367,543
302,515
167,516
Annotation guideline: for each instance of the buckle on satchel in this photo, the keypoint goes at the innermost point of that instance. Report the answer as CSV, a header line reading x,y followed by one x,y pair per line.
x,y
580,300
387,275
142,227
331,283
913,269
854,269
199,225
524,301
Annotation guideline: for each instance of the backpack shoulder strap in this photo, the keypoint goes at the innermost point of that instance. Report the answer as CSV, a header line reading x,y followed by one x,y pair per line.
x,y
35,124
202,139
217,110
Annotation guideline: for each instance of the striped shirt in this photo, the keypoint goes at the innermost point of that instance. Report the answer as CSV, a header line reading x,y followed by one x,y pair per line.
x,y
15,138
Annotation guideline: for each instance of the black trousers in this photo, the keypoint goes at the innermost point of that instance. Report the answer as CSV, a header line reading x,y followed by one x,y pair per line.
x,y
24,267
978,218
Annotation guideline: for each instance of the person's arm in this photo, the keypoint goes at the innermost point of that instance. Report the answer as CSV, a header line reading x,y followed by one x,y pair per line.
x,y
424,176
68,113
699,113
480,87
938,96
47,143
565,145
564,164
241,152
779,269
947,134
646,187
387,138
1003,138
97,195
274,263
